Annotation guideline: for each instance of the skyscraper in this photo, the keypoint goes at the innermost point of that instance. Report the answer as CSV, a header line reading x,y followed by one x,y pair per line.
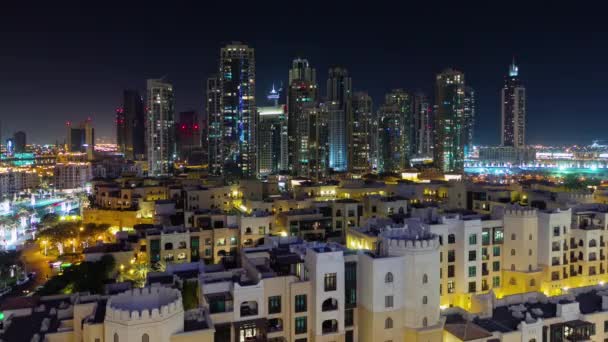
x,y
302,93
390,138
237,85
272,140
160,127
339,98
423,126
81,139
188,138
214,127
317,128
469,119
362,135
513,110
449,121
20,141
130,126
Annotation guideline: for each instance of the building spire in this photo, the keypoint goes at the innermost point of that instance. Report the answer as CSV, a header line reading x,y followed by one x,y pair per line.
x,y
513,69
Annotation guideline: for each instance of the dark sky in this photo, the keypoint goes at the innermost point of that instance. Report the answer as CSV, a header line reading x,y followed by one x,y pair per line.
x,y
63,62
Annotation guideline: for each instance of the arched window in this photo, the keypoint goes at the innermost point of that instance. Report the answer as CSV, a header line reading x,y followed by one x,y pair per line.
x,y
116,337
168,246
425,279
425,322
425,300
388,278
145,338
513,236
388,323
513,252
248,230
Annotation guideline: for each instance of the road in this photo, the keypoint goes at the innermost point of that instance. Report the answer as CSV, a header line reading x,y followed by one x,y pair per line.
x,y
34,261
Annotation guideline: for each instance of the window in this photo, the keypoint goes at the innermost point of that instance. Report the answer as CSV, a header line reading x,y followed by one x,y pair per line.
x,y
451,238
425,279
513,237
529,252
145,338
261,230
425,300
496,251
451,286
530,237
425,322
496,266
451,271
496,281
388,301
532,282
301,325
472,271
451,255
388,278
116,337
556,231
605,326
472,255
388,323
349,317
498,235
168,246
300,303
485,237
274,304
472,287
472,239
512,252
330,282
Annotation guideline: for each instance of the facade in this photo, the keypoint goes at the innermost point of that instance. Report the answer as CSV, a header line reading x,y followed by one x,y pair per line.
x,y
17,180
513,110
237,102
214,127
449,121
160,127
362,133
272,140
317,125
130,126
71,175
301,99
337,137
469,120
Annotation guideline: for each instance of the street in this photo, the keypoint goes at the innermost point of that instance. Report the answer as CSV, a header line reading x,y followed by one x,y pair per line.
x,y
34,261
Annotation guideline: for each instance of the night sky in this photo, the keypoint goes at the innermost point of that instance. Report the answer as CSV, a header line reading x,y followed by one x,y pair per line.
x,y
60,62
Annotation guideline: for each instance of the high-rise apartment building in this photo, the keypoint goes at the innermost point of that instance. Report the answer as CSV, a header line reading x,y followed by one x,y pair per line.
x,y
214,127
130,126
362,132
337,138
237,102
160,127
301,96
449,121
513,110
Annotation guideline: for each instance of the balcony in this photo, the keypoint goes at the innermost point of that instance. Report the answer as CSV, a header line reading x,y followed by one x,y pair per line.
x,y
330,304
274,325
329,326
219,302
249,308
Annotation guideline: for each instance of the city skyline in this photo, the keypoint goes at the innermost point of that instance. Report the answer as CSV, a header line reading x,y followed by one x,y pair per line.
x,y
554,65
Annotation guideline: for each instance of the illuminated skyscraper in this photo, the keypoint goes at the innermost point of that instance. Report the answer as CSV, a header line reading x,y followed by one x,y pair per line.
x,y
469,119
130,123
339,102
513,110
160,127
214,127
237,102
449,121
302,93
395,131
82,138
362,133
272,140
